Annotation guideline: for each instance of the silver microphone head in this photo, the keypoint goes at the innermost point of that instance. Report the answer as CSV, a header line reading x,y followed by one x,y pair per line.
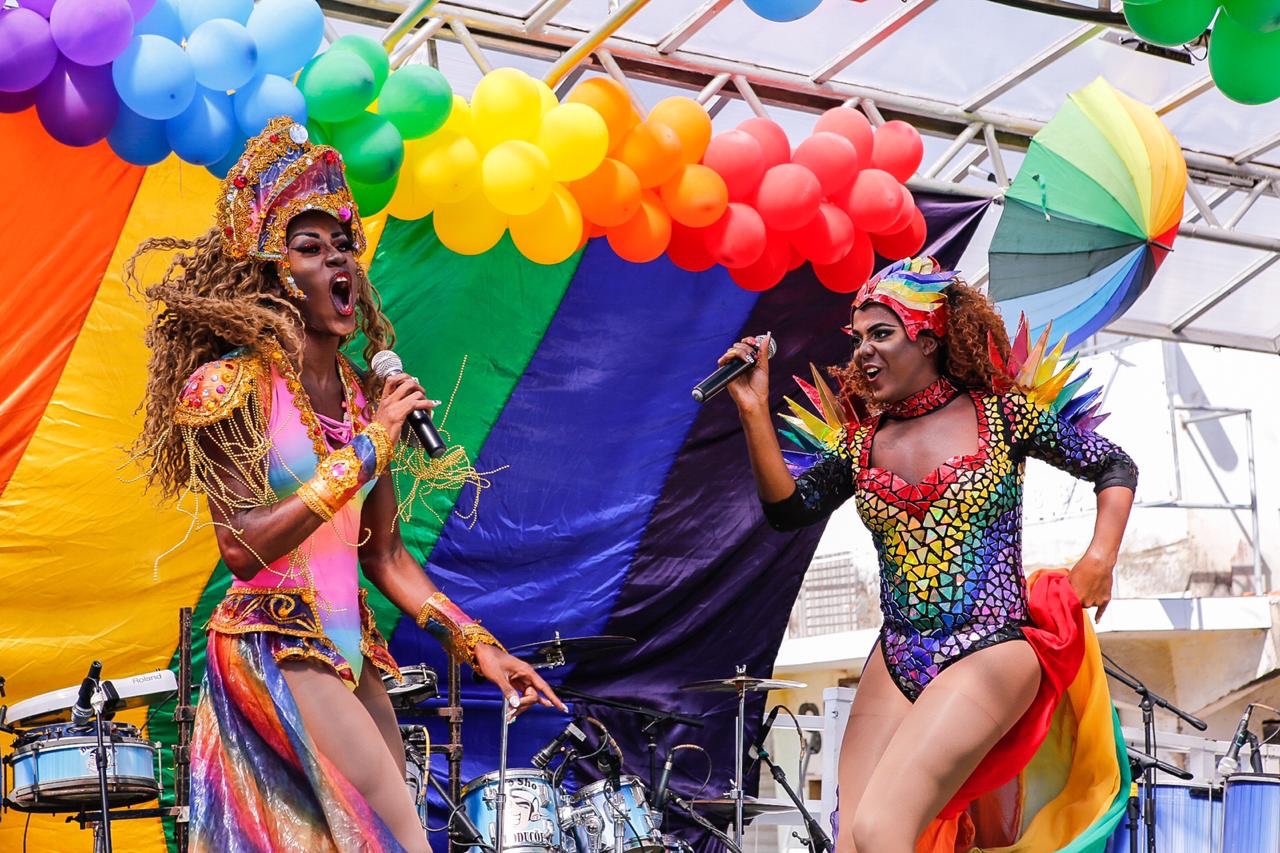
x,y
773,344
386,363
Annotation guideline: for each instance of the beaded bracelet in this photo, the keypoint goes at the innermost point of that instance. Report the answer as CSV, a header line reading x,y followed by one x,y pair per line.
x,y
448,623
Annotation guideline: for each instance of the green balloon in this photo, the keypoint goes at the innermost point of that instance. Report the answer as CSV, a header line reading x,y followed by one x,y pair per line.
x,y
338,85
317,133
1258,15
371,198
1245,64
371,148
417,100
1171,23
371,52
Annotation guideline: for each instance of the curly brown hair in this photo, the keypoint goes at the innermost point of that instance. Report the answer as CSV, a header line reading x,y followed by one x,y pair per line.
x,y
207,304
964,357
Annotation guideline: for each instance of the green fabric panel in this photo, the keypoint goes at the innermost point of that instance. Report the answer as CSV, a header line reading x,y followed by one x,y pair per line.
x,y
1069,191
492,308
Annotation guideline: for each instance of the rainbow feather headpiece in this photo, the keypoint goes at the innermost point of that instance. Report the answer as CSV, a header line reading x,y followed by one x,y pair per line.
x,y
912,289
280,175
1039,372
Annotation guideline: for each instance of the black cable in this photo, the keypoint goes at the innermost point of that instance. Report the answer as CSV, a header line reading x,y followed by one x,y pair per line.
x,y
804,743
26,827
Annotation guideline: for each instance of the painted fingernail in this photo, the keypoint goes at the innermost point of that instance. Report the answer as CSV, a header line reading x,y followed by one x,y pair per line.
x,y
513,701
435,402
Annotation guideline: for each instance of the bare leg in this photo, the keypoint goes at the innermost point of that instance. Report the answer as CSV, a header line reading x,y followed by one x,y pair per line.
x,y
343,730
878,709
950,728
372,693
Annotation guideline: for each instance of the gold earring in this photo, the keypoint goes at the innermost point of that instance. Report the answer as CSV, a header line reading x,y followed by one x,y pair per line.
x,y
291,288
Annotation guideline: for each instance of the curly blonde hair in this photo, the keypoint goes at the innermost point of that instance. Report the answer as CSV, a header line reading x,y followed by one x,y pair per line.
x,y
963,357
206,304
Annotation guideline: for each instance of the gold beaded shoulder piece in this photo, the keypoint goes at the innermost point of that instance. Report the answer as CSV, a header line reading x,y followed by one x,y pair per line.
x,y
216,390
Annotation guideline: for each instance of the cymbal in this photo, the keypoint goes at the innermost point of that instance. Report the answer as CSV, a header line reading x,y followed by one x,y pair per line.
x,y
746,683
724,807
561,650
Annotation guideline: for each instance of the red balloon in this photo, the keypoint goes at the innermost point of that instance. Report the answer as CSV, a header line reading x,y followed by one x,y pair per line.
x,y
904,243
873,201
797,260
853,126
852,271
738,238
769,269
788,197
772,138
904,216
897,149
739,159
688,248
831,158
827,238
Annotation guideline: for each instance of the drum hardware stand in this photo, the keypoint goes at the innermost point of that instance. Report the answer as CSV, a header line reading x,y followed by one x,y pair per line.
x,y
818,840
102,831
466,834
705,824
452,712
739,751
508,714
1148,702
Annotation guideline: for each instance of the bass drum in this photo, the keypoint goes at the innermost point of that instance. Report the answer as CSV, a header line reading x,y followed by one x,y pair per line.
x,y
53,768
1252,816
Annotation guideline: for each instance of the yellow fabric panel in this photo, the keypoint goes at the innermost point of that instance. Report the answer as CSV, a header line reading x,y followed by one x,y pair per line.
x,y
79,540
1168,167
1104,107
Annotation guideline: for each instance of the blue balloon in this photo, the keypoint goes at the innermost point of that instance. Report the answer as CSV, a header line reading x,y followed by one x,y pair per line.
x,y
220,168
205,131
137,140
162,20
193,13
264,98
223,54
288,33
782,10
154,77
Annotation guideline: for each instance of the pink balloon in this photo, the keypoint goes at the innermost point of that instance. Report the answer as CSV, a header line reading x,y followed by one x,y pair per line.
x,y
853,126
897,149
852,271
27,51
688,249
738,238
769,269
738,158
788,198
827,238
873,201
831,158
904,243
772,138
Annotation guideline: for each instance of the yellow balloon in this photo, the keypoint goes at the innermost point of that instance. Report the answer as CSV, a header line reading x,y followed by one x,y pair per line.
x,y
575,139
546,97
459,120
470,227
553,232
412,200
450,172
506,105
516,177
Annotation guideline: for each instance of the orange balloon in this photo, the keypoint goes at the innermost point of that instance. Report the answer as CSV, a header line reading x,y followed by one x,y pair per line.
x,y
645,236
610,99
608,196
696,196
652,150
690,122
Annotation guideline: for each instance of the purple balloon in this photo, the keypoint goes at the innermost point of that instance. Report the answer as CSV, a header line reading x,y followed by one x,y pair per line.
x,y
91,32
16,102
141,8
44,7
27,51
77,104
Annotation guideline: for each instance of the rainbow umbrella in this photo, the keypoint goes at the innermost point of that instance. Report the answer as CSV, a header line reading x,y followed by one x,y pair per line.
x,y
1091,215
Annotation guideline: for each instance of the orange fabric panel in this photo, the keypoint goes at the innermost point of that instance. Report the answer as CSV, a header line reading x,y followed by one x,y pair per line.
x,y
61,219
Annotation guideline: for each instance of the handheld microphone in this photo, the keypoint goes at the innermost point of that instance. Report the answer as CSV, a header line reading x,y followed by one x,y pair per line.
x,y
1230,762
718,381
543,757
386,364
82,711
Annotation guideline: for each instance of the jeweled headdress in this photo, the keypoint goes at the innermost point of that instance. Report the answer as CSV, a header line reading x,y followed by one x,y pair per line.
x,y
912,289
280,175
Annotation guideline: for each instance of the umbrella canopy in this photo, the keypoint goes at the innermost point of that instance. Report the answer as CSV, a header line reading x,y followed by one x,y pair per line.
x,y
1091,215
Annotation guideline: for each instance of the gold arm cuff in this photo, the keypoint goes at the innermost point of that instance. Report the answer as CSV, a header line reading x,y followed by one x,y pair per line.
x,y
383,446
458,631
313,501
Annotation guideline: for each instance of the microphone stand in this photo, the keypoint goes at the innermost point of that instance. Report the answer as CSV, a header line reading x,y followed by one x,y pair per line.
x,y
818,840
705,824
465,833
1148,701
100,758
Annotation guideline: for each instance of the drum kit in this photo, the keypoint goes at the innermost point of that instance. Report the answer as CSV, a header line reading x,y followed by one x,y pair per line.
x,y
536,809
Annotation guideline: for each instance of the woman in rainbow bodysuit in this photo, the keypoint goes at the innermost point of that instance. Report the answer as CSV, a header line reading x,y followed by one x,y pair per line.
x,y
981,717
251,402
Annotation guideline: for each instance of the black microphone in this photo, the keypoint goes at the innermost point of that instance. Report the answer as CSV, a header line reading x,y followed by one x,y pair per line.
x,y
543,757
718,381
609,761
82,710
386,364
758,743
1230,762
660,792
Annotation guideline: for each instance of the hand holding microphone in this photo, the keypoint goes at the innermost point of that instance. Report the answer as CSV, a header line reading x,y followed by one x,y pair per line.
x,y
744,370
404,400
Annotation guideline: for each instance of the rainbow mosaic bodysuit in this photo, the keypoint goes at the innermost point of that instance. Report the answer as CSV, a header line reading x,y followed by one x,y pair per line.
x,y
950,546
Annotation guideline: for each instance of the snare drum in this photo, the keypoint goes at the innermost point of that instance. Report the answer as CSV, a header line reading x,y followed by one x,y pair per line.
x,y
53,769
606,809
1252,815
416,685
530,816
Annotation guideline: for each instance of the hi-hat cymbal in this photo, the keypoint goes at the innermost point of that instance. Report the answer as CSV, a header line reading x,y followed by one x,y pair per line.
x,y
561,650
724,807
745,683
